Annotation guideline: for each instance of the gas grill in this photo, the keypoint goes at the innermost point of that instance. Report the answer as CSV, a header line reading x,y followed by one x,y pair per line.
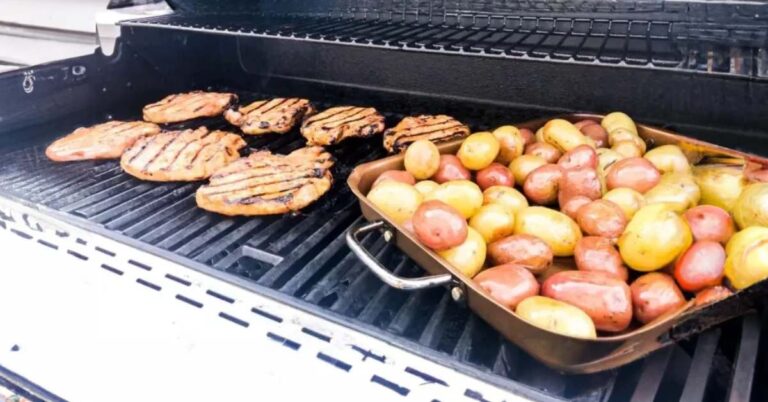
x,y
700,68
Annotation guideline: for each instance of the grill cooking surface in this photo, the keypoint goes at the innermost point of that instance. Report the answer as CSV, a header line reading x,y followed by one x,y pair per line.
x,y
304,256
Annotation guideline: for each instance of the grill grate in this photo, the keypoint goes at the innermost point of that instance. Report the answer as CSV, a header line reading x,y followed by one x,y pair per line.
x,y
304,256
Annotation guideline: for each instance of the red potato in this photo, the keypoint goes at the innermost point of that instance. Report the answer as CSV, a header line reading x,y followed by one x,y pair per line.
x,y
544,150
584,182
583,123
572,205
580,157
396,175
597,133
523,249
709,222
508,284
760,176
527,135
711,295
439,226
653,295
495,175
636,173
542,184
602,218
597,254
606,299
450,168
701,266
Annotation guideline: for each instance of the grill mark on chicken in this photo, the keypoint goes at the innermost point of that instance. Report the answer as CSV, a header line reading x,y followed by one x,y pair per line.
x,y
102,141
186,106
264,183
339,123
437,129
184,148
278,115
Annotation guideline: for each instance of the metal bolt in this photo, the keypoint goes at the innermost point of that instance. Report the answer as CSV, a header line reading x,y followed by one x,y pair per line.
x,y
388,235
457,294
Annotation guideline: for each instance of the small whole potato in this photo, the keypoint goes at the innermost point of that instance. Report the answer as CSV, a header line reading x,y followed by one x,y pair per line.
x,y
583,123
555,316
572,205
597,254
493,222
508,284
396,175
711,295
422,159
527,135
627,199
511,143
438,225
708,222
398,201
627,149
524,165
720,185
463,195
584,182
618,120
606,299
542,184
636,173
559,231
495,175
597,133
548,152
505,196
751,208
426,186
469,256
701,266
669,158
653,238
563,135
653,295
478,150
747,261
605,158
580,157
450,168
522,249
678,189
602,218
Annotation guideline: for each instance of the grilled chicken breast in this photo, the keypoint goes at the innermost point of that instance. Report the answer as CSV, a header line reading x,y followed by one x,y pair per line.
x,y
264,183
339,123
190,105
277,115
187,155
102,141
437,129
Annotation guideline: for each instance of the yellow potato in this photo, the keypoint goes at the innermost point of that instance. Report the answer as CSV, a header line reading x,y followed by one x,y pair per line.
x,y
524,164
720,185
469,256
478,150
678,189
493,222
747,261
426,186
618,120
563,135
654,237
463,195
398,201
555,228
627,199
668,158
605,158
627,149
540,134
505,196
511,144
751,208
556,316
422,159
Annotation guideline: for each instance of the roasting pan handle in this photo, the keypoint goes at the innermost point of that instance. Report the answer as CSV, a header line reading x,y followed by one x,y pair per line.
x,y
379,270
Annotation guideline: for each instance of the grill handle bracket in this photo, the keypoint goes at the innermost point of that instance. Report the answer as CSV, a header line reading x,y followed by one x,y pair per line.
x,y
362,227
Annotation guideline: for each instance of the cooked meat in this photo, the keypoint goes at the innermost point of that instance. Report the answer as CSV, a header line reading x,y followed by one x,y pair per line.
x,y
277,115
190,105
102,141
264,183
339,123
437,129
187,155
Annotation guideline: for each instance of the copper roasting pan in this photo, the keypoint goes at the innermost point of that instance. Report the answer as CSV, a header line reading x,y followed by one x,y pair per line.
x,y
560,352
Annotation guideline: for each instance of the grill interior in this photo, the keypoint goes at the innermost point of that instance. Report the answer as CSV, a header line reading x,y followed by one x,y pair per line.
x,y
303,257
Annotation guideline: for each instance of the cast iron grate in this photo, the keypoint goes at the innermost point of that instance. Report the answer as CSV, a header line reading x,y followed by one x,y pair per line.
x,y
304,256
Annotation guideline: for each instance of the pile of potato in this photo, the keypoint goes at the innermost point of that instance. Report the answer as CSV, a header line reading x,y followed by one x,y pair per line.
x,y
579,228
